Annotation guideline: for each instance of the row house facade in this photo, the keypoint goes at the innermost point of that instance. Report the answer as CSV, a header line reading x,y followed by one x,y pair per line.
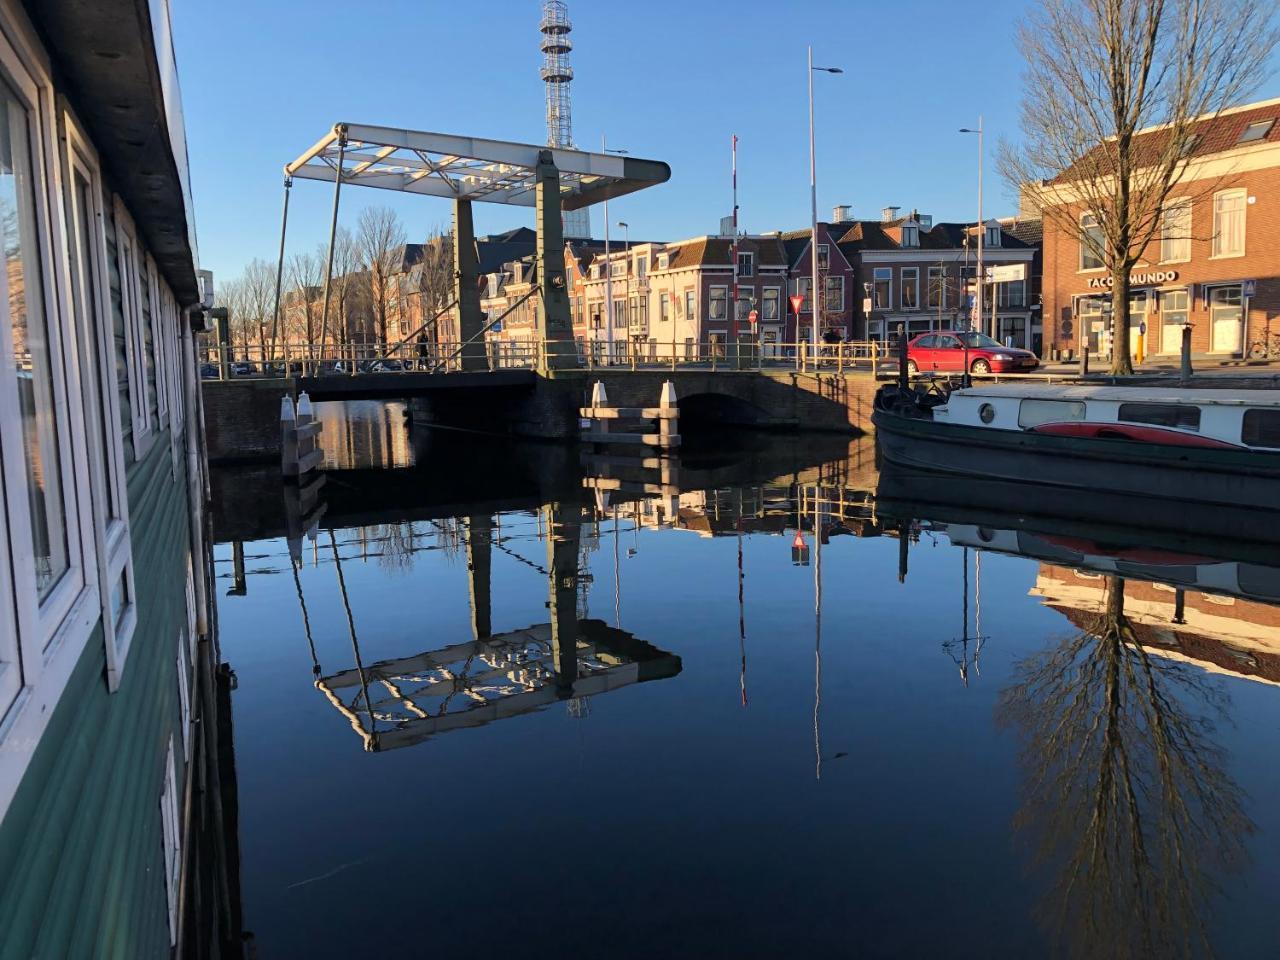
x,y
677,297
878,274
922,275
1213,264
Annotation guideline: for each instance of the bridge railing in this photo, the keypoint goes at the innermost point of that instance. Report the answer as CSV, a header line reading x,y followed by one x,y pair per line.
x,y
258,361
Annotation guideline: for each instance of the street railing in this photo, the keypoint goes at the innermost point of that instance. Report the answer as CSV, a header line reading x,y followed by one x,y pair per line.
x,y
255,361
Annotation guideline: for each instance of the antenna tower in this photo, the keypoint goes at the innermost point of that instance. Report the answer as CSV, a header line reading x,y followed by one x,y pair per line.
x,y
557,74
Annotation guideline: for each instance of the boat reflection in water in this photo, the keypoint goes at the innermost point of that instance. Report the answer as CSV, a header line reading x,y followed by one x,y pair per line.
x,y
1128,805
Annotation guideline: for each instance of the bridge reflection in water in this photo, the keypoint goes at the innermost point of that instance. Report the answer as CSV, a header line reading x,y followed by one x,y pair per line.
x,y
397,703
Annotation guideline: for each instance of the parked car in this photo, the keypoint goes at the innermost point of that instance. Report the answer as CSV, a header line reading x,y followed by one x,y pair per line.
x,y
208,371
944,351
243,368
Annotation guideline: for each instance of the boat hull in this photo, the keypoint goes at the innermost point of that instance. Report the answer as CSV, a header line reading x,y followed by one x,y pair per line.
x,y
1223,478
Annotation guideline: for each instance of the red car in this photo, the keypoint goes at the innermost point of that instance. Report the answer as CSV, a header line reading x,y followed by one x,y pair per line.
x,y
943,351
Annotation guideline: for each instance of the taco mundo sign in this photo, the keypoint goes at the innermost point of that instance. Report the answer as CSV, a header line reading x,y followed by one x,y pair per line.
x,y
1137,279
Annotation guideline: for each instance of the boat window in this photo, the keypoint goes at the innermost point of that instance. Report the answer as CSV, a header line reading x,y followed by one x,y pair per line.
x,y
1032,413
1261,428
1181,415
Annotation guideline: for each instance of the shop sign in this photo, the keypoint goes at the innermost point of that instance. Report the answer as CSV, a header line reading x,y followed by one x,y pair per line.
x,y
1137,279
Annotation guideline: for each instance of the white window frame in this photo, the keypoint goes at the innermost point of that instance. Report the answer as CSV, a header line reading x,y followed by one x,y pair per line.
x,y
114,554
1219,253
127,264
775,299
912,273
184,694
1171,205
992,238
1084,246
830,304
824,256
171,839
691,305
664,307
936,275
751,263
882,275
911,235
159,352
715,293
43,639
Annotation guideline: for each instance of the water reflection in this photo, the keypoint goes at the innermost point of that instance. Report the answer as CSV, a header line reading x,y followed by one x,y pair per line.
x,y
1127,801
406,700
799,772
1127,795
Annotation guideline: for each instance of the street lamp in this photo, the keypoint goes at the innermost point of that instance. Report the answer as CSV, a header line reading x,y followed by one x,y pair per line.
x,y
608,267
981,278
813,204
626,310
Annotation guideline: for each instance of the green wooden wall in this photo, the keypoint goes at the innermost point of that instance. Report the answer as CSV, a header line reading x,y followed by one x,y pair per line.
x,y
81,858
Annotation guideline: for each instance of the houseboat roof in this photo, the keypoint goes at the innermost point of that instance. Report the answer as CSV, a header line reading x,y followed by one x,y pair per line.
x,y
1157,393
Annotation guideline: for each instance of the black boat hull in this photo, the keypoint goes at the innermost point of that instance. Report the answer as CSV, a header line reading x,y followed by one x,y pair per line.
x,y
1065,466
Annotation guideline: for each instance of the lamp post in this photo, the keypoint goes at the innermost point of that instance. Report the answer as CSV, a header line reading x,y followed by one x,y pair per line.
x,y
982,279
813,205
626,310
608,267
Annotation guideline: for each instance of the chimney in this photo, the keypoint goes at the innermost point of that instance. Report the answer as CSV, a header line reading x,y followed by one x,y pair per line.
x,y
841,213
889,213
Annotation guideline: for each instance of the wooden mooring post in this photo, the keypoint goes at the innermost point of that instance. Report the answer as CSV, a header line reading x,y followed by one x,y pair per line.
x,y
299,454
597,420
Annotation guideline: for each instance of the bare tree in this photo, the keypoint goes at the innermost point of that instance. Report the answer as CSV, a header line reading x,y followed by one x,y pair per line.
x,y
259,279
380,238
306,277
1098,74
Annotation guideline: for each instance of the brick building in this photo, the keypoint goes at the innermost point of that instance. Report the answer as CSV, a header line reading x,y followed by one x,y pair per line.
x,y
676,296
1214,262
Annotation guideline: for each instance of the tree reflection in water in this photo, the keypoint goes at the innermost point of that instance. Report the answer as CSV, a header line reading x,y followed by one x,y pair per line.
x,y
1127,800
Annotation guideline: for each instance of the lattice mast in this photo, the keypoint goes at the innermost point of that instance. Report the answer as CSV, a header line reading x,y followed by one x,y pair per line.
x,y
557,75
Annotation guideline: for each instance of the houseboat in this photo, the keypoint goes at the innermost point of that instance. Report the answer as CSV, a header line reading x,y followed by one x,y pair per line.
x,y
1199,445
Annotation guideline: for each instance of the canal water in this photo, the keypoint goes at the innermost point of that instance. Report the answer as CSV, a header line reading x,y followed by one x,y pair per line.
x,y
495,701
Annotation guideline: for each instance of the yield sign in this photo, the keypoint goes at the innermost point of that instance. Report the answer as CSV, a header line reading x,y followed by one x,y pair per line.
x,y
796,304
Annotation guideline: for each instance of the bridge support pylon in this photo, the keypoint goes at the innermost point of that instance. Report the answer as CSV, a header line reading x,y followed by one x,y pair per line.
x,y
479,566
466,274
564,527
554,326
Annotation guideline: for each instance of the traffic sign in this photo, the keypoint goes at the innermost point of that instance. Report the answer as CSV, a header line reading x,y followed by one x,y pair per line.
x,y
753,316
1006,273
796,304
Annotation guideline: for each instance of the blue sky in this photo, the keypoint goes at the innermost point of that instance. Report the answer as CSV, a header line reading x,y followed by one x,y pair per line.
x,y
262,81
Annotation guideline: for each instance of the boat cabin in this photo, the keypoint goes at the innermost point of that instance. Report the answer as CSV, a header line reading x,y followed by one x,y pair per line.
x,y
1241,419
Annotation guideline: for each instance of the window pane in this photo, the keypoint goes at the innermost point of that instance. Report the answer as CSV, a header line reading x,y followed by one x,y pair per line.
x,y
31,347
1162,414
1262,428
1032,413
100,355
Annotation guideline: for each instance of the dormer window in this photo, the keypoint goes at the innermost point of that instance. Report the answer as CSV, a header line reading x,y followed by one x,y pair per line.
x,y
595,271
911,234
664,261
993,236
1255,131
618,268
